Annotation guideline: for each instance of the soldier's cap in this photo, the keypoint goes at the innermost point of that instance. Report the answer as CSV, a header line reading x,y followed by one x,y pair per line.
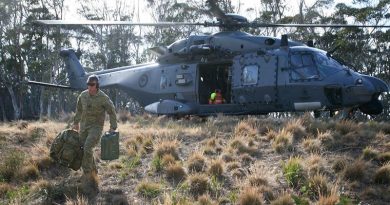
x,y
93,78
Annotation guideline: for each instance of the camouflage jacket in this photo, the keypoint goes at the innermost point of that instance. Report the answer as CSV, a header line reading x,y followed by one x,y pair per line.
x,y
90,110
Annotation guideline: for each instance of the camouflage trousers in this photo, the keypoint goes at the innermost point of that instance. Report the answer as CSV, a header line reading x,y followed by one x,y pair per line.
x,y
90,137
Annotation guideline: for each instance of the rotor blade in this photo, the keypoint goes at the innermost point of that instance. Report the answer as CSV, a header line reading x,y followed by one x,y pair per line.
x,y
129,23
217,11
254,24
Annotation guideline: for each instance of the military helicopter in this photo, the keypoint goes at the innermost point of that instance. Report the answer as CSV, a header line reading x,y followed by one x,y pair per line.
x,y
255,74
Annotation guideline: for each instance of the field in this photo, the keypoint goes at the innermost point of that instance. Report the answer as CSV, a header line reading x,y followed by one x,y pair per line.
x,y
215,160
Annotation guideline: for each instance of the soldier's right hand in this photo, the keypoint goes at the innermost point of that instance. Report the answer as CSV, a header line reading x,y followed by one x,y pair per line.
x,y
76,127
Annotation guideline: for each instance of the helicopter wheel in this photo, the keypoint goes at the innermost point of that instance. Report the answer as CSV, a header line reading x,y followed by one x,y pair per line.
x,y
317,113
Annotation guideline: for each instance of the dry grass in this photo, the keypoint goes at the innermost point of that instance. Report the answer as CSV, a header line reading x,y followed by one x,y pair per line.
x,y
80,200
198,184
355,171
284,199
196,163
283,141
382,175
216,168
241,157
250,196
167,147
175,173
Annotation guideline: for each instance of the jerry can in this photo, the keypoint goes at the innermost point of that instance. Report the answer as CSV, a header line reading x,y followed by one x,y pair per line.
x,y
110,146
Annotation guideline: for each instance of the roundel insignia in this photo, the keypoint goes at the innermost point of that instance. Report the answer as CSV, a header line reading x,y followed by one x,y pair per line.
x,y
143,80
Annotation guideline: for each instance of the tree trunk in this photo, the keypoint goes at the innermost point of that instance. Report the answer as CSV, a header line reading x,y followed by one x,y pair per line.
x,y
41,103
14,103
3,110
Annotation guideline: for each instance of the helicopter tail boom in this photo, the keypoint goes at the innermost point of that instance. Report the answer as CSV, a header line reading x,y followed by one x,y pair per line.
x,y
76,72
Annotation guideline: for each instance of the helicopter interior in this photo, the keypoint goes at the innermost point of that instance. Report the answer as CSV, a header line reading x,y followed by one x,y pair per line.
x,y
212,77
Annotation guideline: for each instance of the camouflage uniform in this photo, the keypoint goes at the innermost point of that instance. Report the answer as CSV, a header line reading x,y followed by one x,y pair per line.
x,y
90,113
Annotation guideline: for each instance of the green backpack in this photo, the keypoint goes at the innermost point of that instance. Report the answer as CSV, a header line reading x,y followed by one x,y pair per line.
x,y
67,150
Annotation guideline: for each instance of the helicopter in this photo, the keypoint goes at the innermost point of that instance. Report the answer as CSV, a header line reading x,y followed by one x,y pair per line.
x,y
254,74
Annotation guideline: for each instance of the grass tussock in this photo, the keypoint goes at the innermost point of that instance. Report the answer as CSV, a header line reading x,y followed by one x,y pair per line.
x,y
383,157
283,141
330,199
198,184
355,171
167,160
315,164
175,173
312,145
205,200
293,171
339,164
29,172
284,199
369,153
382,175
216,168
11,163
246,128
318,185
148,189
167,147
4,189
240,147
346,126
250,196
296,128
80,200
196,163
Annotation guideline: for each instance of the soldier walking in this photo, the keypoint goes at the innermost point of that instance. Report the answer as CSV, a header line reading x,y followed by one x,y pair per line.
x,y
92,105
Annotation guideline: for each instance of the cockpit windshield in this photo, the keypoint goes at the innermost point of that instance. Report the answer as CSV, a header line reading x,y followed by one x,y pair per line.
x,y
327,65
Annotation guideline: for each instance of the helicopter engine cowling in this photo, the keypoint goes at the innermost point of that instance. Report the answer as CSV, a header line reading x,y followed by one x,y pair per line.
x,y
203,49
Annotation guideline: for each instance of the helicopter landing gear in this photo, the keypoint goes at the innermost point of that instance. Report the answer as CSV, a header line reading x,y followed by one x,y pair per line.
x,y
317,113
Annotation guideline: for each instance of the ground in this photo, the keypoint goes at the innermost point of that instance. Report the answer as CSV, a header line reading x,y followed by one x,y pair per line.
x,y
214,160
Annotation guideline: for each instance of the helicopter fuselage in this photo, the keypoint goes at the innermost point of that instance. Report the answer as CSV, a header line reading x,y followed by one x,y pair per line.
x,y
255,74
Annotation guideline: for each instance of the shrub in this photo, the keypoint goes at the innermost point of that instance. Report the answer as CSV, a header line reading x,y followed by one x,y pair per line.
x,y
249,196
339,165
4,189
148,189
296,128
384,157
205,200
167,160
382,175
80,200
29,172
198,184
293,171
330,199
196,163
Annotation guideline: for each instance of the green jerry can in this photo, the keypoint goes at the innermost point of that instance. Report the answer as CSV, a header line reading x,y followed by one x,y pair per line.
x,y
110,146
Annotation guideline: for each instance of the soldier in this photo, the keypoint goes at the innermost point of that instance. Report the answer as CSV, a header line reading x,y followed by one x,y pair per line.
x,y
92,104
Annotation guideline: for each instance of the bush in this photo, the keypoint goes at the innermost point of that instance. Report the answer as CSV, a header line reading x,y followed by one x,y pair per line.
x,y
355,171
282,141
216,168
285,199
196,163
318,185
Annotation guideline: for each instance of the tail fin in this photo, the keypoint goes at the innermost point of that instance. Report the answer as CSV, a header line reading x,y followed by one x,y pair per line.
x,y
76,73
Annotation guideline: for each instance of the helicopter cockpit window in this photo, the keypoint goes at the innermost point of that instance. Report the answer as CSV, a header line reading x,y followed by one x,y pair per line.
x,y
327,65
250,74
303,67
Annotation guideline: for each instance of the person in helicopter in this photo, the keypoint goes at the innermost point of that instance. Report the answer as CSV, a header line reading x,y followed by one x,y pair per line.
x,y
216,97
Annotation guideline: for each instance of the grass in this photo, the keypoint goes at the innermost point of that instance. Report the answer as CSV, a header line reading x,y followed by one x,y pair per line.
x,y
283,141
250,196
196,163
382,175
284,199
198,184
293,171
149,189
162,162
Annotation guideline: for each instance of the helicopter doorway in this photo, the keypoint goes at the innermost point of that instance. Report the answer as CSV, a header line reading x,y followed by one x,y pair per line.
x,y
212,77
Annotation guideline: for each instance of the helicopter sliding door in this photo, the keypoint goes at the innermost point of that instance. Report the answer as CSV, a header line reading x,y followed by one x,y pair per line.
x,y
255,83
214,76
